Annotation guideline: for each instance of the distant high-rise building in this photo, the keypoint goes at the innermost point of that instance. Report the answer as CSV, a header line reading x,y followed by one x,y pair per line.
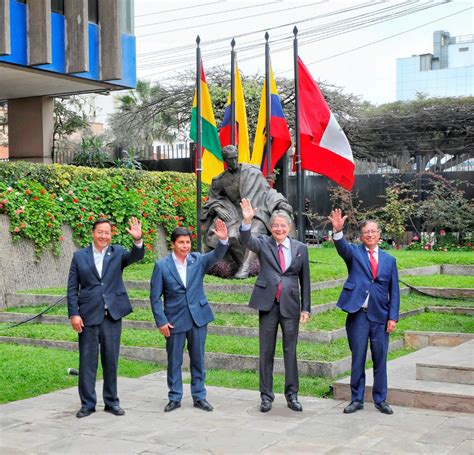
x,y
448,71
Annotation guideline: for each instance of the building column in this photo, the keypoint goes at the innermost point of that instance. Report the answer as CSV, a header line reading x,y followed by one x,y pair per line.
x,y
30,129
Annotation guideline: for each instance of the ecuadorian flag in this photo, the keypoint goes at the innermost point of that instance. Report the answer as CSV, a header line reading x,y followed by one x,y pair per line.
x,y
212,162
279,132
241,127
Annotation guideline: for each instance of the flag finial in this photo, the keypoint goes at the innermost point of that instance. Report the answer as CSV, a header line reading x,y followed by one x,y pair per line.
x,y
198,40
232,43
295,30
266,36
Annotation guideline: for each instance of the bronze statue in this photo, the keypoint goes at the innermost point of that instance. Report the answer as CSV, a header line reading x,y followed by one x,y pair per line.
x,y
227,190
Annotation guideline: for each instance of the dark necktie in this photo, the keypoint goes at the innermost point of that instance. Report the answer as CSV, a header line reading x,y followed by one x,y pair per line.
x,y
373,263
281,258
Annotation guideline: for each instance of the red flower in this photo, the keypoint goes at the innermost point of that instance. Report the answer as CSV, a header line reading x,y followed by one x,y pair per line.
x,y
151,231
180,223
150,247
91,218
16,230
145,215
83,209
28,192
50,225
155,201
61,238
35,198
23,225
114,185
191,228
75,200
176,218
84,190
43,191
194,236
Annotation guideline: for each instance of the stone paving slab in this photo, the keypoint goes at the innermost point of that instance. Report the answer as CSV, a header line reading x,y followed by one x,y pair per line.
x,y
404,389
47,425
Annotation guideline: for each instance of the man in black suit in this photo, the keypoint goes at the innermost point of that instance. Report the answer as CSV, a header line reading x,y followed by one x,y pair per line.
x,y
97,302
282,294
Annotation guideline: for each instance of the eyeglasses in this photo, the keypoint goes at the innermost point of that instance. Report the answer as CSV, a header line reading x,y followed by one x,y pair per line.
x,y
279,226
371,232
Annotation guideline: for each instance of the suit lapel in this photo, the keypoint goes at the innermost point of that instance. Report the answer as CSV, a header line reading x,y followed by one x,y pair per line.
x,y
274,250
190,264
294,253
90,261
107,258
381,263
173,270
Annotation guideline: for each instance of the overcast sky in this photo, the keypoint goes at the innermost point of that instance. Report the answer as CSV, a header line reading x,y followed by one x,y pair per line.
x,y
167,46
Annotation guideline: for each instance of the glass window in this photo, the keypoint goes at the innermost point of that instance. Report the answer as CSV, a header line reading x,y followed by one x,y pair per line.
x,y
57,6
93,9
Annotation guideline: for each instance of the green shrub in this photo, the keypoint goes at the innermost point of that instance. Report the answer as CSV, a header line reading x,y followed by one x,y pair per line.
x,y
40,198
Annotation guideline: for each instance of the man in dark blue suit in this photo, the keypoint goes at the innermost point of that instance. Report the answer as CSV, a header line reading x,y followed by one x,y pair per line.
x,y
371,297
182,311
97,302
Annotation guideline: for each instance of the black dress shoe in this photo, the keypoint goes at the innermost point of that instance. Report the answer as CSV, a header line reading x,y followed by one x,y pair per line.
x,y
265,405
84,412
115,410
353,407
203,404
172,405
295,405
384,407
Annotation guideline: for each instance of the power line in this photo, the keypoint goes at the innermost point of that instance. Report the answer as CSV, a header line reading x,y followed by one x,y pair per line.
x,y
176,9
214,13
227,20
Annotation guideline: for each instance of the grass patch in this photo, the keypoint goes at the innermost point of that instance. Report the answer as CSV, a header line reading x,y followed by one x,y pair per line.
x,y
441,281
438,323
28,371
327,265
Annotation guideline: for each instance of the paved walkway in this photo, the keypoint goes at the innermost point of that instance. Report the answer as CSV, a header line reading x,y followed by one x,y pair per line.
x,y
47,425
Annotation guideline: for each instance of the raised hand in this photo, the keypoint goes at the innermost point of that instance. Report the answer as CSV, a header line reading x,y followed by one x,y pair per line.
x,y
220,229
337,220
247,211
135,229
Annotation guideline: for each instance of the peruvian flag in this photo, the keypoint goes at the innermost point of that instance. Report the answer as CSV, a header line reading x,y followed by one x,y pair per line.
x,y
324,147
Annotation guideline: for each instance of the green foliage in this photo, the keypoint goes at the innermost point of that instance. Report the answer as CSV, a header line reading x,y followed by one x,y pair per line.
x,y
40,198
394,214
91,153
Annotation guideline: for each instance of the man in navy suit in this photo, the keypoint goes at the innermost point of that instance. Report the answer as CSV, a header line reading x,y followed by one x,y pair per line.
x,y
371,297
182,311
97,301
282,294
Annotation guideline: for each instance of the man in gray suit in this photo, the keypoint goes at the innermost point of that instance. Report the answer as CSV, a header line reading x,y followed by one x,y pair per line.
x,y
282,294
182,311
97,301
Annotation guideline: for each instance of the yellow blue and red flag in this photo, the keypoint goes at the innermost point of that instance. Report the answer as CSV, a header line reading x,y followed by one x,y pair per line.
x,y
279,132
241,126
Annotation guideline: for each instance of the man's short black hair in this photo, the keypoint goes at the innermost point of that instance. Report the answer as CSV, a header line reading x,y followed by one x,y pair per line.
x,y
180,231
101,221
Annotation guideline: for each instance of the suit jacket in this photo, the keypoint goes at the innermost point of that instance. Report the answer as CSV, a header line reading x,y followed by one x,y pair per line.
x,y
296,288
173,302
87,293
384,299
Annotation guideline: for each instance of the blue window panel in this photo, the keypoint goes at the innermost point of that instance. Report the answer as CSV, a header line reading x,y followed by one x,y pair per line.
x,y
58,48
18,35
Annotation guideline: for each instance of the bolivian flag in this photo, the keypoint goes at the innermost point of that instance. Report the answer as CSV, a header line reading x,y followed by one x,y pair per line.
x,y
212,162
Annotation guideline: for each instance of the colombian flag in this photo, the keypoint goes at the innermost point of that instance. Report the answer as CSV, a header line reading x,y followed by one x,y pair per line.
x,y
241,127
212,162
280,135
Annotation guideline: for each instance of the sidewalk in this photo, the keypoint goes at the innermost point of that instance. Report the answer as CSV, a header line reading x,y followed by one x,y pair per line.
x,y
47,425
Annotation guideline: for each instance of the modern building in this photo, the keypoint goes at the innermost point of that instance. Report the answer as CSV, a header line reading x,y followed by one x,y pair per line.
x,y
52,48
448,71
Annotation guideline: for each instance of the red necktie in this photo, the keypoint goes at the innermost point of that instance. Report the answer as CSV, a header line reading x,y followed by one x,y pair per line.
x,y
373,263
281,258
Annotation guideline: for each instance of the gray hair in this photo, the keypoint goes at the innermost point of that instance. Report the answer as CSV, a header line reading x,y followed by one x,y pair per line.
x,y
281,214
366,222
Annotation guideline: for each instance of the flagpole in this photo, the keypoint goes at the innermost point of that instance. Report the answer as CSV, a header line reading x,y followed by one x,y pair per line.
x,y
198,144
232,93
299,176
268,104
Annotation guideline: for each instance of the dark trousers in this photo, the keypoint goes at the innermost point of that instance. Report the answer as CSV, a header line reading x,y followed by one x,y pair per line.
x,y
106,337
359,331
196,338
268,328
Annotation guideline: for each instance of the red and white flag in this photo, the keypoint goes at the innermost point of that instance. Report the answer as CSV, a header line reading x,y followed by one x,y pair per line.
x,y
324,147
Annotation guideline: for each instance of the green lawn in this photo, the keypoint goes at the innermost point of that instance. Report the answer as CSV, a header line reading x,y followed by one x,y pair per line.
x,y
28,371
441,281
326,264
